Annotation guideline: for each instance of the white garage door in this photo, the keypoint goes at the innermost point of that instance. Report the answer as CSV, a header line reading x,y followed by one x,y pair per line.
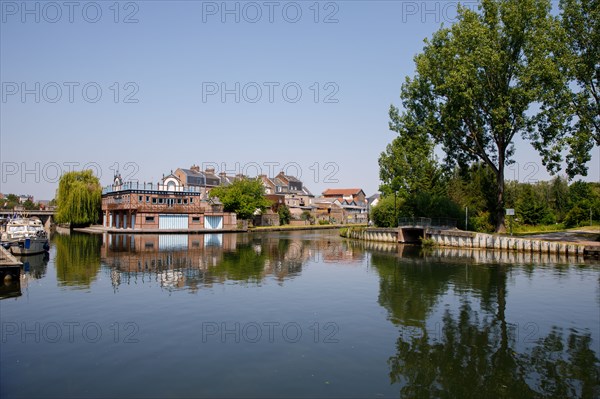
x,y
213,222
172,222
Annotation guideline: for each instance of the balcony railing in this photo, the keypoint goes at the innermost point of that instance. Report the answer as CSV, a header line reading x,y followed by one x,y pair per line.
x,y
134,185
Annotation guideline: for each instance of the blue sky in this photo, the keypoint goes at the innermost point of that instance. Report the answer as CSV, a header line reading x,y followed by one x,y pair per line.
x,y
240,86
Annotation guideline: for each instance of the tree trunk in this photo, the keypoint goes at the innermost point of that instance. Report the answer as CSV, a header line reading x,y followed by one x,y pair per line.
x,y
500,227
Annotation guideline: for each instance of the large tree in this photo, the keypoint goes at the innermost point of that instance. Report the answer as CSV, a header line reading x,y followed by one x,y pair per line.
x,y
244,197
408,165
78,198
476,81
569,117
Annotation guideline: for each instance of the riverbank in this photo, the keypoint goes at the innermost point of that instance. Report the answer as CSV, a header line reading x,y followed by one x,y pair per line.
x,y
99,229
455,238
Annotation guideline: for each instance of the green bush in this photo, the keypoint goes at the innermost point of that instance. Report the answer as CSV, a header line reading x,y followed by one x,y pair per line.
x,y
576,216
482,222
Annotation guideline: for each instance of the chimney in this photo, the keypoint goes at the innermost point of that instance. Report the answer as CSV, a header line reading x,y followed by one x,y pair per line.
x,y
195,168
210,170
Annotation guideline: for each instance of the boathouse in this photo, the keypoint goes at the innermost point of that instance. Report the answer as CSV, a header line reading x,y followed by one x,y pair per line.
x,y
166,205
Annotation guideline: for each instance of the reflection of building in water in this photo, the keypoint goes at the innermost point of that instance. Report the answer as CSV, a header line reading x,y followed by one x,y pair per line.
x,y
173,260
193,261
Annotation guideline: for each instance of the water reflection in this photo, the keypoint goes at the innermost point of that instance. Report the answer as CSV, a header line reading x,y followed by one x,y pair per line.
x,y
34,266
456,335
473,349
194,261
77,259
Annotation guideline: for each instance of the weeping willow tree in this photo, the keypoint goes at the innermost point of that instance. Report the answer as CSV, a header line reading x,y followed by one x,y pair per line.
x,y
78,198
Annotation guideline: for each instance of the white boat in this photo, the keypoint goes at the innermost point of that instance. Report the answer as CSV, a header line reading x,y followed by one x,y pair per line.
x,y
25,236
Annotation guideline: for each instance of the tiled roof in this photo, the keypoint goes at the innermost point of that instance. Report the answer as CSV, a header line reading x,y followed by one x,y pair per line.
x,y
341,191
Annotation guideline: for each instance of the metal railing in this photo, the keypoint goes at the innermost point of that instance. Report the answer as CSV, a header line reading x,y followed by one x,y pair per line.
x,y
134,185
414,222
446,223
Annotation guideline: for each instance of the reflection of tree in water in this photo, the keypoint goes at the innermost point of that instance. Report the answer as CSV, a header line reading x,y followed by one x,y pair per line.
x,y
243,264
474,354
253,261
77,259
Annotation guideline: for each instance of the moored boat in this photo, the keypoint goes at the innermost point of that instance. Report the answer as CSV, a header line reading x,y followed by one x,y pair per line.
x,y
25,236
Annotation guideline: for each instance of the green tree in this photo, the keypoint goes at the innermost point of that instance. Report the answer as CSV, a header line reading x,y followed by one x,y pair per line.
x,y
559,193
79,198
583,199
475,83
383,214
284,214
530,208
408,166
570,109
244,197
10,201
30,205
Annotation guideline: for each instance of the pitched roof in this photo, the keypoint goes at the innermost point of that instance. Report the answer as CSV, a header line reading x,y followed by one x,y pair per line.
x,y
341,191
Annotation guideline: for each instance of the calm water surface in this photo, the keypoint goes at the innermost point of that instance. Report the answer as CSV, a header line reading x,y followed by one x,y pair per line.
x,y
299,314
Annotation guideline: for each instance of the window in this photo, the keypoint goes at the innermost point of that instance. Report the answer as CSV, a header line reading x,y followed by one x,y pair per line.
x,y
160,200
140,198
147,198
149,219
153,200
195,219
191,200
179,200
185,200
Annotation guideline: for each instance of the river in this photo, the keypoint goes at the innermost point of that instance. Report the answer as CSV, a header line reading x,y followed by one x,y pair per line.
x,y
296,314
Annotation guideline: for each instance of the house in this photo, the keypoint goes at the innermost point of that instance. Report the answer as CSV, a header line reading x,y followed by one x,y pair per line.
x,y
348,194
167,205
297,197
328,210
373,200
268,184
351,201
25,198
202,180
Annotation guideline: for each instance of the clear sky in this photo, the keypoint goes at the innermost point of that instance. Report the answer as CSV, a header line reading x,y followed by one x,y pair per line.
x,y
150,86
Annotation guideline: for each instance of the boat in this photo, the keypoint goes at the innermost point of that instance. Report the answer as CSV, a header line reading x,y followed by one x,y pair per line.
x,y
25,236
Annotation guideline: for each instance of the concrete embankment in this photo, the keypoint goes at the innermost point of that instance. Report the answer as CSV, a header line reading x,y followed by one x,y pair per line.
x,y
466,239
98,229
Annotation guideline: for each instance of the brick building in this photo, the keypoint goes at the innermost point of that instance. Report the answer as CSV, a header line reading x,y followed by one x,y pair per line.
x,y
167,205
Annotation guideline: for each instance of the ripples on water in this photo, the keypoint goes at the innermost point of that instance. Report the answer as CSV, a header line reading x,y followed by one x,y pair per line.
x,y
297,314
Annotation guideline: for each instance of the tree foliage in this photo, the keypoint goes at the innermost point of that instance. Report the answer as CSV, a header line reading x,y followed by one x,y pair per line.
x,y
244,197
408,166
569,119
476,81
78,198
284,214
383,214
